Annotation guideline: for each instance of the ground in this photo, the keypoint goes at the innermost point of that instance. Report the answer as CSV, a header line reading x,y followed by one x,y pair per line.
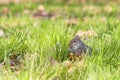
x,y
37,39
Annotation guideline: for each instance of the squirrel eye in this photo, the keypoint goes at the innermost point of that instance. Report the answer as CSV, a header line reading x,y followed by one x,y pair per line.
x,y
74,41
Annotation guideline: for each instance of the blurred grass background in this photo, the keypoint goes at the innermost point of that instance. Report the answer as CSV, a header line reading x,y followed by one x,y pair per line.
x,y
39,39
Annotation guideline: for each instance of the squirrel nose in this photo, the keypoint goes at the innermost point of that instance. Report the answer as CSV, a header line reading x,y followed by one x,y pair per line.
x,y
70,50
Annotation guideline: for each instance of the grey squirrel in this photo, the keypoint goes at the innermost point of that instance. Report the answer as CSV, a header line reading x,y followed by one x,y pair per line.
x,y
77,47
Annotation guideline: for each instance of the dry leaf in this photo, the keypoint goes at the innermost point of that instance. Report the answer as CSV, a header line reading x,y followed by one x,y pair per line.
x,y
86,19
80,63
75,1
71,57
5,10
89,33
13,24
82,1
26,11
14,62
35,24
92,9
72,66
2,64
54,14
41,8
72,21
71,69
69,1
69,66
28,56
40,14
4,1
108,9
74,57
53,62
67,63
9,1
103,19
16,1
76,65
2,34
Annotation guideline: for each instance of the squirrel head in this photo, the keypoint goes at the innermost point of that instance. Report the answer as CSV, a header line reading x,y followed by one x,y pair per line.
x,y
74,44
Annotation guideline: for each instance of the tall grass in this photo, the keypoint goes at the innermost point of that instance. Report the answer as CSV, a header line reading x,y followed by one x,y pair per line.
x,y
50,38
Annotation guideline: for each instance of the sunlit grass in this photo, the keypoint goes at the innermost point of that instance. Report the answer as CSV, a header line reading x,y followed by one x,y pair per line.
x,y
38,40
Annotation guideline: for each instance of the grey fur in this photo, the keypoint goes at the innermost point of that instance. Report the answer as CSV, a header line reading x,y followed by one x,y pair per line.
x,y
77,46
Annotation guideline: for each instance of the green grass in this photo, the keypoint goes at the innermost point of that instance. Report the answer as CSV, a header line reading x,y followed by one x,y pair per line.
x,y
51,37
